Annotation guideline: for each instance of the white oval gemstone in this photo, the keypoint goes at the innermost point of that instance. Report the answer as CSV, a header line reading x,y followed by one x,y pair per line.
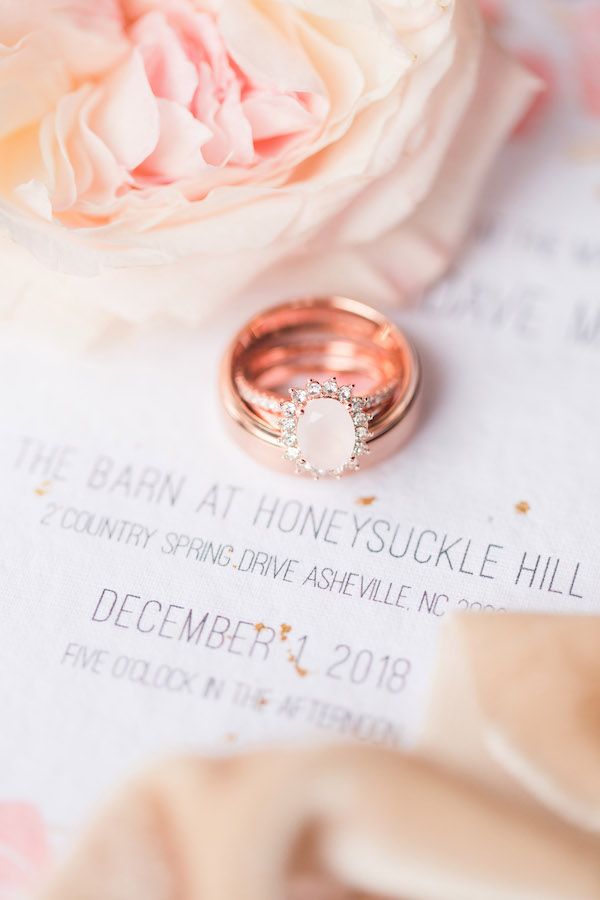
x,y
326,435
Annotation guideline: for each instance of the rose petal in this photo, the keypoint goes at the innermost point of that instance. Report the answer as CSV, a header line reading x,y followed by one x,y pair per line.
x,y
99,175
273,116
266,53
126,117
232,134
86,37
79,165
170,72
31,83
435,99
54,135
420,249
202,39
35,195
178,152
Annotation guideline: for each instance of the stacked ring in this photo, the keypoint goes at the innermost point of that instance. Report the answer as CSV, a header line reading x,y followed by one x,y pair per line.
x,y
320,386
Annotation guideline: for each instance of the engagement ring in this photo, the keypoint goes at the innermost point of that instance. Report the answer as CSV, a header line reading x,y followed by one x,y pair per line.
x,y
321,386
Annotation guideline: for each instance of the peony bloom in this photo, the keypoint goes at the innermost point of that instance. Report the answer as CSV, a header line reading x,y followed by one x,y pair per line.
x,y
180,151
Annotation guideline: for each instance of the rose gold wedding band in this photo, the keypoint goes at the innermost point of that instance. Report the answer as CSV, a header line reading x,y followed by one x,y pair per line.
x,y
320,386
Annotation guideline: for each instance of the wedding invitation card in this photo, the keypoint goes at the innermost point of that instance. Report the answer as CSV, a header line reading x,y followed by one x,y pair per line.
x,y
162,593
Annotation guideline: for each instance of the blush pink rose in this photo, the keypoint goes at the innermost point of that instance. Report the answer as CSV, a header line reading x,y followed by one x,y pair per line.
x,y
183,152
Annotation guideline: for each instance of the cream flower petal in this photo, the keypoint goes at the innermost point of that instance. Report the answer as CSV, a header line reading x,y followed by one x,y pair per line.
x,y
35,195
435,102
178,152
270,116
126,116
87,38
99,175
171,73
417,251
269,55
54,136
32,81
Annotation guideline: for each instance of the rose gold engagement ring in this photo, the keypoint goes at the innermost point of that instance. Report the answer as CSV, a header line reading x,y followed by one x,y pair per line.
x,y
320,386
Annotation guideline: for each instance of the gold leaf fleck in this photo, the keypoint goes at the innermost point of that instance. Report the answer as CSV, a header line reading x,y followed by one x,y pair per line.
x,y
300,670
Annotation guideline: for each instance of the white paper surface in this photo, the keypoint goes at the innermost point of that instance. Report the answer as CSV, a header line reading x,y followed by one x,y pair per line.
x,y
119,489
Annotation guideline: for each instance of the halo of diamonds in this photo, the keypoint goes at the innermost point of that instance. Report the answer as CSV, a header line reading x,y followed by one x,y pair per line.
x,y
292,409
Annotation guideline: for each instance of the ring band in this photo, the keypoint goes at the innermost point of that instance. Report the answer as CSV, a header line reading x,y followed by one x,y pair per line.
x,y
320,386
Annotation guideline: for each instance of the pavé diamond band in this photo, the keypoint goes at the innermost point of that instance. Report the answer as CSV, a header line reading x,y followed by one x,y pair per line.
x,y
320,386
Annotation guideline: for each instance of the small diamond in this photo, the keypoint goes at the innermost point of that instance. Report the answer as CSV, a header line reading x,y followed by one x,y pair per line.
x,y
359,403
361,419
313,388
330,387
345,392
361,450
288,408
289,440
292,453
299,395
289,423
362,433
